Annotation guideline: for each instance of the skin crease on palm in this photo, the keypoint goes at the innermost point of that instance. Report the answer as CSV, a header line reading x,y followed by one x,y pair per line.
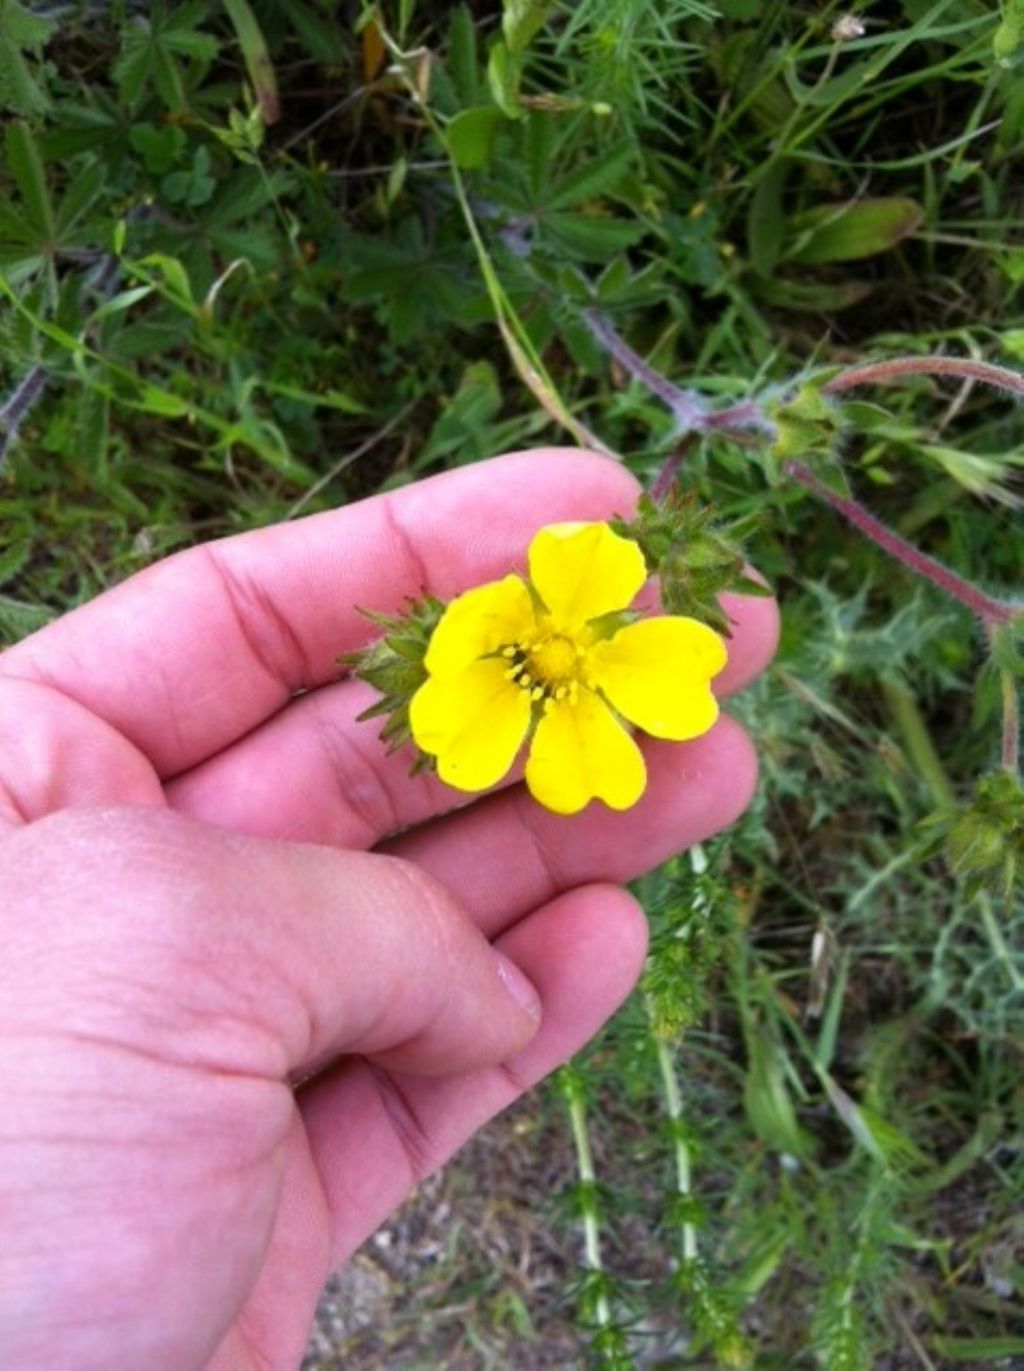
x,y
239,1017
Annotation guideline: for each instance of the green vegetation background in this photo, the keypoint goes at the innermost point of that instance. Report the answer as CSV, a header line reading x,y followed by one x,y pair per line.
x,y
239,286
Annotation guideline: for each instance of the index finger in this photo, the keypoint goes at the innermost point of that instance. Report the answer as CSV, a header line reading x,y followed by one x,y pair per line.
x,y
193,653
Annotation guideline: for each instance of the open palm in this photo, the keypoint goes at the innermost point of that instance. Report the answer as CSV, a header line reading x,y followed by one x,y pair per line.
x,y
235,1032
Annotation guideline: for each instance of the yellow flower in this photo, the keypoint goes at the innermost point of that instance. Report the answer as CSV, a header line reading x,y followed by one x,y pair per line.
x,y
511,659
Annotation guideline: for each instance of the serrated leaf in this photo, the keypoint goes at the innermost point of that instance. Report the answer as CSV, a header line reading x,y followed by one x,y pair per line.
x,y
26,166
80,196
593,178
851,231
21,33
471,133
591,236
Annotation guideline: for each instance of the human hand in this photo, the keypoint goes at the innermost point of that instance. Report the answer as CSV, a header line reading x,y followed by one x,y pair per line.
x,y
239,1016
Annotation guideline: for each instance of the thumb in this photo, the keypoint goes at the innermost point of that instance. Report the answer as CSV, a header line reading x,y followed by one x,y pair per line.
x,y
284,954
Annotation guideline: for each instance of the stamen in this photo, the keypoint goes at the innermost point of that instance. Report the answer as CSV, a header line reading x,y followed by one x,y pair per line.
x,y
509,651
537,693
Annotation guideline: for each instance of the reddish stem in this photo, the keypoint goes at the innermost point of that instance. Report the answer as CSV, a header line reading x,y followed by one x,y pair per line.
x,y
665,479
989,610
964,368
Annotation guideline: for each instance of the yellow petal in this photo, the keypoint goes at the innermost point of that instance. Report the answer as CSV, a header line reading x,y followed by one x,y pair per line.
x,y
473,723
581,571
657,672
580,753
478,622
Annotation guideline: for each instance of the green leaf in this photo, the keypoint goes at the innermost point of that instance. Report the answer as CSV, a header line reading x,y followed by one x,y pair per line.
x,y
503,76
591,236
978,1349
767,1098
766,223
153,47
160,148
256,57
851,231
21,33
471,134
320,35
816,297
121,302
175,275
26,167
522,20
18,618
462,61
594,178
80,196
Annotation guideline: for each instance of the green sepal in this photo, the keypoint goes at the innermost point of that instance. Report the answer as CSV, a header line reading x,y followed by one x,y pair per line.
x,y
807,428
695,558
983,840
394,666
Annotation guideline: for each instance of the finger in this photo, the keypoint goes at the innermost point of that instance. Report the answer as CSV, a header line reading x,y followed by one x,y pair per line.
x,y
194,652
315,773
54,754
374,1135
311,952
507,854
754,638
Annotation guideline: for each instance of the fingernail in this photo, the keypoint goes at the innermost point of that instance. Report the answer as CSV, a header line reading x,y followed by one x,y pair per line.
x,y
517,985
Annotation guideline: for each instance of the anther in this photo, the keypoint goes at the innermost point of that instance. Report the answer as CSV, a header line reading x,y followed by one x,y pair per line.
x,y
537,693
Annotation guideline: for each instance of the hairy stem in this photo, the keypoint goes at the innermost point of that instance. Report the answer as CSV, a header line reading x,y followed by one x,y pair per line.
x,y
1000,950
688,408
15,409
588,1180
870,373
1010,753
666,477
988,609
684,1170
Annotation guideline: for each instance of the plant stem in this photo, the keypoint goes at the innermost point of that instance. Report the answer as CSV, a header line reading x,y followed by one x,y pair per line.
x,y
17,406
666,477
588,1179
997,942
687,407
963,367
989,610
1010,753
684,1170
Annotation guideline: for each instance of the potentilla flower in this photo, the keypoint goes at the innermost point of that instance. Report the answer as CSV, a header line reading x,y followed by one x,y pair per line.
x,y
560,660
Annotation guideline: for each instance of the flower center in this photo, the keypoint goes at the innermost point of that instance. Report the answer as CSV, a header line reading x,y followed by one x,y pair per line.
x,y
555,660
550,668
